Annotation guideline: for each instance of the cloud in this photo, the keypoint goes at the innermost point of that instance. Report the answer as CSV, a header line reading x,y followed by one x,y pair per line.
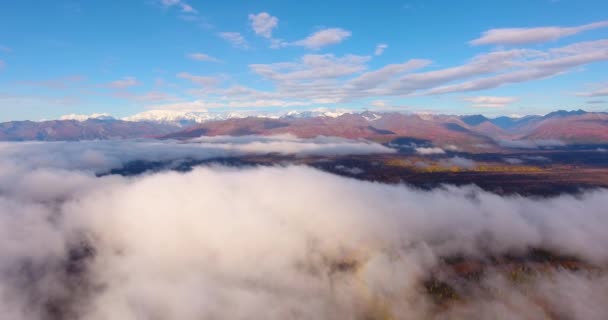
x,y
263,24
312,67
459,162
181,245
5,49
531,144
429,151
324,38
518,36
372,79
600,92
597,101
2,64
198,105
489,101
101,156
185,8
204,81
124,83
56,83
330,79
202,57
530,65
380,49
235,39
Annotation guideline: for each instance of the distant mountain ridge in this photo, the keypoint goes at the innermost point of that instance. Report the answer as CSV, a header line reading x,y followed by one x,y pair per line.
x,y
574,127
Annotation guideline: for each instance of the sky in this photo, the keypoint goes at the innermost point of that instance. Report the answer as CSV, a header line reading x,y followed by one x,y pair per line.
x,y
468,57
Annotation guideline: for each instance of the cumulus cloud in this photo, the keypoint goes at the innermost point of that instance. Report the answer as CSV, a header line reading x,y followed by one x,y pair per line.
x,y
273,243
263,24
380,49
517,36
429,150
202,57
489,101
235,39
324,38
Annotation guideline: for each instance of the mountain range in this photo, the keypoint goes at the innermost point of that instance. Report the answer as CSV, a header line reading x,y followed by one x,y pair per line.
x,y
470,131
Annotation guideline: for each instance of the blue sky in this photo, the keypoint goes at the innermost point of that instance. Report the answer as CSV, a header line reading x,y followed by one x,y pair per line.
x,y
125,57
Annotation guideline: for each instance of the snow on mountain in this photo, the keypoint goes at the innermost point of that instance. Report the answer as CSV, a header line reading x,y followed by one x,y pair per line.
x,y
321,112
84,117
183,118
179,117
370,116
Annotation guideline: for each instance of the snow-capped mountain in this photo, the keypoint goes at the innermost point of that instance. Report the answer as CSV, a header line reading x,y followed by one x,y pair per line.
x,y
186,118
181,118
84,117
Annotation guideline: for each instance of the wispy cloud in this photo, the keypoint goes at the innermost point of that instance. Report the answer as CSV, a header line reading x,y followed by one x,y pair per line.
x,y
184,7
380,49
124,83
489,101
202,57
600,92
205,81
56,83
235,39
518,36
324,38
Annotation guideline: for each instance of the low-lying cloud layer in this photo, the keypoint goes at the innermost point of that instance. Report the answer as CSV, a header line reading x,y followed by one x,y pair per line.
x,y
107,154
272,243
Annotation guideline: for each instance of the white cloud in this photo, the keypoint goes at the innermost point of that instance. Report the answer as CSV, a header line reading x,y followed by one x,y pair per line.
x,y
2,64
373,79
530,65
124,83
311,67
380,49
516,36
600,92
490,101
202,104
185,7
330,79
161,244
202,57
235,39
324,38
205,81
429,150
263,24
379,104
